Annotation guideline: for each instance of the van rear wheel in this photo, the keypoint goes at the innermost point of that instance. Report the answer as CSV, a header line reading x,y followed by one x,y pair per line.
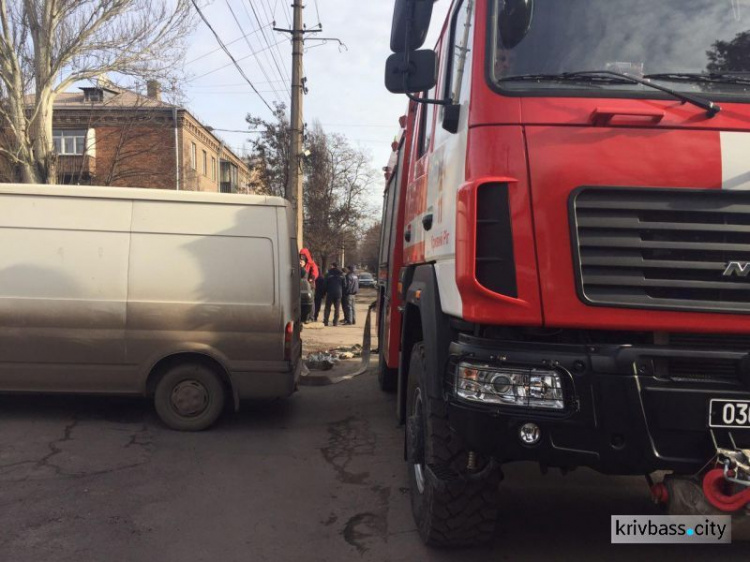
x,y
189,397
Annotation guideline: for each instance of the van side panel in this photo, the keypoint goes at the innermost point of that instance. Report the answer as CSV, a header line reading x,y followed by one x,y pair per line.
x,y
95,288
63,275
204,278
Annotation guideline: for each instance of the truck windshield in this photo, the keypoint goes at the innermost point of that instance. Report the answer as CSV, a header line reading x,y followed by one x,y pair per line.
x,y
697,46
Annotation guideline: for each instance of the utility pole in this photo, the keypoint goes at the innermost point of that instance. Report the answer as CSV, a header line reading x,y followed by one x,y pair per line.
x,y
296,126
296,175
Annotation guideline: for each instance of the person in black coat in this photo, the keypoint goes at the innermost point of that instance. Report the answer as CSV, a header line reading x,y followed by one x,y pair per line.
x,y
334,291
320,292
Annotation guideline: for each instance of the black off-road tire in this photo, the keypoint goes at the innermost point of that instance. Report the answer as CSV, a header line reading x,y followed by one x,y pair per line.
x,y
199,386
461,512
387,377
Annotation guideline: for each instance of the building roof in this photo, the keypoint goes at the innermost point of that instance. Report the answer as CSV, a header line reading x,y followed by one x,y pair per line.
x,y
124,99
121,98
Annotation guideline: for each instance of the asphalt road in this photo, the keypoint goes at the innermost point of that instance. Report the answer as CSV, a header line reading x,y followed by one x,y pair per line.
x,y
315,477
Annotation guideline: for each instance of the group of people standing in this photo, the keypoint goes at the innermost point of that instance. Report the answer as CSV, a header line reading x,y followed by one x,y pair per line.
x,y
339,287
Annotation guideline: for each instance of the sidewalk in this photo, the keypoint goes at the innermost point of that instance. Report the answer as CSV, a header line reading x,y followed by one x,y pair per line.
x,y
317,337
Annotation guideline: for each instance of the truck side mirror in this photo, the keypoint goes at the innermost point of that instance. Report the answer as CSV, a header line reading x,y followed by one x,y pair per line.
x,y
515,21
411,72
411,18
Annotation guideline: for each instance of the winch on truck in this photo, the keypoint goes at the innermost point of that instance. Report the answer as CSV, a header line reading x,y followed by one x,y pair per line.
x,y
566,242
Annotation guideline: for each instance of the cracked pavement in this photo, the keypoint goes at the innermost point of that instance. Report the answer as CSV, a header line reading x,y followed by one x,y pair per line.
x,y
318,477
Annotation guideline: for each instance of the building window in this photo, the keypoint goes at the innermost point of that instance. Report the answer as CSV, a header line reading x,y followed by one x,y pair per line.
x,y
69,142
229,173
213,168
193,156
93,94
205,163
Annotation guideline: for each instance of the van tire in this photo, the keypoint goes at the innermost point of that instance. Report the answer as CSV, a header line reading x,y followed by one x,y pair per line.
x,y
189,397
460,512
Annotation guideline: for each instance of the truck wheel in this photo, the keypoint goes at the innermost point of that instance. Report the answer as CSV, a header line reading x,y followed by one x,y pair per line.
x,y
387,377
455,511
189,397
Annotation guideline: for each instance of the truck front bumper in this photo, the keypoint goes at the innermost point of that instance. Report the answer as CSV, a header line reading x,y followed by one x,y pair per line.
x,y
624,413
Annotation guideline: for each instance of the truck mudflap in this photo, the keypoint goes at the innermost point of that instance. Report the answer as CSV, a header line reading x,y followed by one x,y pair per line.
x,y
622,411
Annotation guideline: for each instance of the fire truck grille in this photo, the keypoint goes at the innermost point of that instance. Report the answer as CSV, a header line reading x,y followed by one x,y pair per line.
x,y
704,370
663,248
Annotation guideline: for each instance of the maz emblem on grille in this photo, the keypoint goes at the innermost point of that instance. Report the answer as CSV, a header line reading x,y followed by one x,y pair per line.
x,y
737,268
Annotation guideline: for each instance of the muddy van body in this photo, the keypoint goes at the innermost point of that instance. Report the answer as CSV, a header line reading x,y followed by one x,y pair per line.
x,y
189,298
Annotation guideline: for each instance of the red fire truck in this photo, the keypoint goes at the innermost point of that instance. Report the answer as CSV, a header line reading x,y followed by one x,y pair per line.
x,y
565,262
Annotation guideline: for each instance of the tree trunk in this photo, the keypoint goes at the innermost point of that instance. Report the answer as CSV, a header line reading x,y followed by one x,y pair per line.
x,y
41,133
26,171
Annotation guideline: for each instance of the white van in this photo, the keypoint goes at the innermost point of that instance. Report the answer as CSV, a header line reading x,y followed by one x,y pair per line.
x,y
190,298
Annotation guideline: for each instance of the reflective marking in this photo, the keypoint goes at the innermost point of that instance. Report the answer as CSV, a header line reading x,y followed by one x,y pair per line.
x,y
735,160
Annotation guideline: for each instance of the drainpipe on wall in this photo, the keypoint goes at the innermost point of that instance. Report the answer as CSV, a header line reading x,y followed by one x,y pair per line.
x,y
176,148
218,171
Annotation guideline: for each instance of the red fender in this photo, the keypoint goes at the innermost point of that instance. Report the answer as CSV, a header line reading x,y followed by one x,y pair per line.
x,y
714,485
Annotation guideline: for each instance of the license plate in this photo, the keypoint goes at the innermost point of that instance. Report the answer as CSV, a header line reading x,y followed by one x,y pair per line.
x,y
729,413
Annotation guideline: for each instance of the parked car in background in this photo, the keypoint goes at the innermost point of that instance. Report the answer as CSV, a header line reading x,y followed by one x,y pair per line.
x,y
366,280
191,299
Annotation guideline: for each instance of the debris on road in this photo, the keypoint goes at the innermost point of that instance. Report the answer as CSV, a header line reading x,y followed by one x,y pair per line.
x,y
326,360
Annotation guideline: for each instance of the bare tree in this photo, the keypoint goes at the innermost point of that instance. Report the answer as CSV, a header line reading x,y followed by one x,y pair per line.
x,y
338,178
270,153
48,45
368,248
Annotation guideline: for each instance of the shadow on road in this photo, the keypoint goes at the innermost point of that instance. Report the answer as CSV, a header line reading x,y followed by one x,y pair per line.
x,y
260,415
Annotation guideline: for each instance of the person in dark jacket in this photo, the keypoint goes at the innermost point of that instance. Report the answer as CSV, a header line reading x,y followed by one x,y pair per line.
x,y
320,292
334,292
349,300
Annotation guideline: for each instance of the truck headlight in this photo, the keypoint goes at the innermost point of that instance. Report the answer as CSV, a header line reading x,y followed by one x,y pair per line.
x,y
510,386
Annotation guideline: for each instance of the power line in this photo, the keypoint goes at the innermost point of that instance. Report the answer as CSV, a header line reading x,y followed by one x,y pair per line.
x,y
233,84
275,7
283,13
317,12
224,47
262,69
288,13
230,64
230,92
232,42
265,38
270,16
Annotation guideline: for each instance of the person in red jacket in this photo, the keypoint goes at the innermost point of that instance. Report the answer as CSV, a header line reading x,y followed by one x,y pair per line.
x,y
310,273
311,268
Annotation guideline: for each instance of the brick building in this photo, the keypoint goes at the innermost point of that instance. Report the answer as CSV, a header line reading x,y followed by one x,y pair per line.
x,y
105,135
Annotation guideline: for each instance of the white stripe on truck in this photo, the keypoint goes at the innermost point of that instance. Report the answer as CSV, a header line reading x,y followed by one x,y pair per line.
x,y
735,160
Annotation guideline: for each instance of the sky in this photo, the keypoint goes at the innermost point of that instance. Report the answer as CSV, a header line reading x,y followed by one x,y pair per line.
x,y
345,84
